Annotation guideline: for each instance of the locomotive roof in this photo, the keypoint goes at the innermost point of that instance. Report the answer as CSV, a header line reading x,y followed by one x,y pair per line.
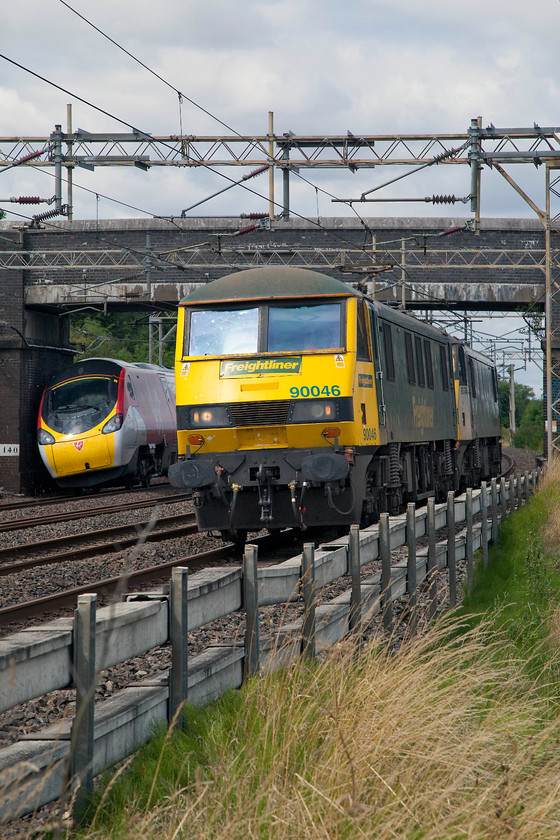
x,y
269,283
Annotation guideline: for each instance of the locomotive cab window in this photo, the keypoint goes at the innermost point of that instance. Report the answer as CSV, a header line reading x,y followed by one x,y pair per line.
x,y
222,332
462,365
286,328
388,348
293,329
363,354
495,385
472,372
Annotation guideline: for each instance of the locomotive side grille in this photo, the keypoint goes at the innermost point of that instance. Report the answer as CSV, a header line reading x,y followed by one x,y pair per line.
x,y
272,413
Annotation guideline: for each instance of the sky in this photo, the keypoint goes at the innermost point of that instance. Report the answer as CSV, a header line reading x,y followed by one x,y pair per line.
x,y
323,67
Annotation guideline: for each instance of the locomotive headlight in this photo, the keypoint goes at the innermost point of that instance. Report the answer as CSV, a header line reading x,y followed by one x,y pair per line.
x,y
113,425
313,411
44,438
208,416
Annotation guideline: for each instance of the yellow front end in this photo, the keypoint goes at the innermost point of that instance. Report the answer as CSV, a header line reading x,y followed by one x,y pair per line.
x,y
324,376
75,454
276,439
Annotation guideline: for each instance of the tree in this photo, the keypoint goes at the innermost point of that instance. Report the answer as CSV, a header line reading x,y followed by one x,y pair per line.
x,y
523,396
117,335
530,432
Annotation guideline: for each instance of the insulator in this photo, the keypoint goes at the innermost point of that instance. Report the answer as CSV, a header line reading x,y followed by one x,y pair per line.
x,y
29,199
444,155
48,214
31,156
247,229
254,216
255,172
444,199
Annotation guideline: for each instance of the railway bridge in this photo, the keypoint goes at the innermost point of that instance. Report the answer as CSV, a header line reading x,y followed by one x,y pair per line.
x,y
51,270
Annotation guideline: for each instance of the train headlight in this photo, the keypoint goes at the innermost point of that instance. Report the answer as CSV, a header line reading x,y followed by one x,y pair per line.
x,y
44,438
313,411
208,417
113,425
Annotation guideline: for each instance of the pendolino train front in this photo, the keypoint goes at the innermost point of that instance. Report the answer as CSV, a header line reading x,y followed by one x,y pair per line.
x,y
104,421
300,402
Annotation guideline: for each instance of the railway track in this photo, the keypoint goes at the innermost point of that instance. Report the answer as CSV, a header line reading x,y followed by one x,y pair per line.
x,y
510,464
55,518
52,501
80,546
114,587
100,542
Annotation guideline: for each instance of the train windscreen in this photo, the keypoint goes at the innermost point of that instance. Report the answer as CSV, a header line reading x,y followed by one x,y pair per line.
x,y
219,332
77,405
265,329
294,329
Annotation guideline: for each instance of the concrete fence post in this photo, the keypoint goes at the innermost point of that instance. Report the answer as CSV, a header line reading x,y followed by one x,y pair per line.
x,y
432,560
251,605
484,522
503,497
385,557
411,583
527,487
178,635
469,549
451,553
495,520
511,493
308,640
519,492
355,616
82,738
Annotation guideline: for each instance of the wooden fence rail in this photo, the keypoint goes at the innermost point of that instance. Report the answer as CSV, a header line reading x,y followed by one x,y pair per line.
x,y
65,757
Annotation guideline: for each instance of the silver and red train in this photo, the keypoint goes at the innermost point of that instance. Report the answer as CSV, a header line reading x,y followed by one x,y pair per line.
x,y
104,421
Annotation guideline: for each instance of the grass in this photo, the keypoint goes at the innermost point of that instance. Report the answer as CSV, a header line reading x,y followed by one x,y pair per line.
x,y
521,584
438,741
457,735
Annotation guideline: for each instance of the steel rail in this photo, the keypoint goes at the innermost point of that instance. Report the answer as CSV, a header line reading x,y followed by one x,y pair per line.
x,y
115,539
61,500
49,519
116,587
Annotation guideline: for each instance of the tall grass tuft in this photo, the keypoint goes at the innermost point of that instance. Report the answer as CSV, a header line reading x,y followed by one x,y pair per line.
x,y
448,738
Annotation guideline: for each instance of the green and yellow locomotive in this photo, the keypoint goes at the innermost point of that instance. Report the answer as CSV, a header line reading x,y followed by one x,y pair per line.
x,y
301,402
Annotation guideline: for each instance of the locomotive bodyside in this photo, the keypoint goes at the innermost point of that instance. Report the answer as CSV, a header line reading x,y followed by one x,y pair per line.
x,y
418,421
300,402
107,422
478,416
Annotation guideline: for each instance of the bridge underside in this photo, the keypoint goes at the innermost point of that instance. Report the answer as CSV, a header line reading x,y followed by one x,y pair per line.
x,y
477,296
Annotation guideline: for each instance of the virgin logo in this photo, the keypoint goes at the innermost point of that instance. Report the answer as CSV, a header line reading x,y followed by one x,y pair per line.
x,y
79,444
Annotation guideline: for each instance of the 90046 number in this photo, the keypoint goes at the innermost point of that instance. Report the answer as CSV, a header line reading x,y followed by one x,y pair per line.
x,y
315,391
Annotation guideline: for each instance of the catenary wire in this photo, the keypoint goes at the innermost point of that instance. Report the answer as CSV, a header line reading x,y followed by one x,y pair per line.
x,y
179,93
181,96
147,135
